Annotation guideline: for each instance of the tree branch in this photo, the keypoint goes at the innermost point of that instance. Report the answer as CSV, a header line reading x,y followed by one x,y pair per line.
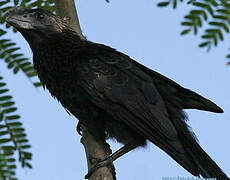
x,y
67,9
93,149
97,150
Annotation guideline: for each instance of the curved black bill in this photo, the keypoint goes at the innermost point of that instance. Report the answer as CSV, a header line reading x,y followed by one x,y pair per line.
x,y
17,18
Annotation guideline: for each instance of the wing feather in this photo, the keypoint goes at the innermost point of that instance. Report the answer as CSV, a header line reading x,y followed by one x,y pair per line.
x,y
129,95
128,87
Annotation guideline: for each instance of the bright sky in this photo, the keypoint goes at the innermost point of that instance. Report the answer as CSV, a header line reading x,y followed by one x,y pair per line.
x,y
150,35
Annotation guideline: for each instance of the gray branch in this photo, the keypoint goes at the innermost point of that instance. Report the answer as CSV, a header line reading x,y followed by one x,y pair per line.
x,y
67,9
93,149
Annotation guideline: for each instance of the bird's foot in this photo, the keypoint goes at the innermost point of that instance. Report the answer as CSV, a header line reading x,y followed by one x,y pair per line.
x,y
100,163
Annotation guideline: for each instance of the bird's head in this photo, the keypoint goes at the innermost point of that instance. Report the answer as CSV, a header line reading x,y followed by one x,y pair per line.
x,y
39,20
38,26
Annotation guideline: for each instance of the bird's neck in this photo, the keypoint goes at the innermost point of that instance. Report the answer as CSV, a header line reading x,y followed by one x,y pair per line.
x,y
55,48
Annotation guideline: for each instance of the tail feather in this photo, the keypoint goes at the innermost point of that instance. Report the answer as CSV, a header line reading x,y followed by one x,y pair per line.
x,y
203,163
192,100
206,166
194,159
168,89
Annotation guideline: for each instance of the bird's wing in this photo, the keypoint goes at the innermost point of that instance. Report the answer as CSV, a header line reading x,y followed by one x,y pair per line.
x,y
119,87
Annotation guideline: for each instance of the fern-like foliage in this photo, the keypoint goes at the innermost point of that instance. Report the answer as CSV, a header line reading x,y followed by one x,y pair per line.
x,y
169,2
212,16
8,48
12,134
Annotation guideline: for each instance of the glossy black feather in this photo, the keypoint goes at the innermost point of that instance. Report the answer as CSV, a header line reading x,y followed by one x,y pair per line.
x,y
115,96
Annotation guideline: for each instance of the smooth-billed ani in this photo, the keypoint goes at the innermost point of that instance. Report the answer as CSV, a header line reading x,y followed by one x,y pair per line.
x,y
113,95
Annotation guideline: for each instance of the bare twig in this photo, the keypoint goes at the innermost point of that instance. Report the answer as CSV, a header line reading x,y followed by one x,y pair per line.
x,y
93,149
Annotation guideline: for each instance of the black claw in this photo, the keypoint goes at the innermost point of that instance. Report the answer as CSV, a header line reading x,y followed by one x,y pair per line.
x,y
102,163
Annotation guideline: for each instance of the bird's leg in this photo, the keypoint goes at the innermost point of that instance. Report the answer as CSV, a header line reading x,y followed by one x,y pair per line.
x,y
108,160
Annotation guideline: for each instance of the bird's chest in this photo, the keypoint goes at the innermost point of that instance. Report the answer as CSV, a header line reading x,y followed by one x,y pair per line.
x,y
61,79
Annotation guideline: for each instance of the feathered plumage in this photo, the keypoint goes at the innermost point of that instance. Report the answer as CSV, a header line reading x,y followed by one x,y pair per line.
x,y
113,95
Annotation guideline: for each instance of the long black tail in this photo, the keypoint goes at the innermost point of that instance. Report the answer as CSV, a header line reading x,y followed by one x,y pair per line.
x,y
176,98
204,164
171,90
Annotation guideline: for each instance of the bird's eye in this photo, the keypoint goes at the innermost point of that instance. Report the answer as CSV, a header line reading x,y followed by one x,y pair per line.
x,y
40,16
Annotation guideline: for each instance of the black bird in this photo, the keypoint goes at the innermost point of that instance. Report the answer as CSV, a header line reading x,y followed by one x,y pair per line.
x,y
113,95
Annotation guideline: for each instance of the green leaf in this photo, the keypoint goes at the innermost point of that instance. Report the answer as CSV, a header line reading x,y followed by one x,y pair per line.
x,y
186,31
15,62
208,36
5,8
16,2
215,31
9,110
6,45
199,13
13,117
1,118
11,50
174,4
3,3
187,24
18,130
16,69
223,11
7,104
27,155
24,65
3,133
163,4
14,124
25,146
23,135
3,91
2,32
11,160
203,5
4,98
2,126
29,69
204,44
32,74
22,141
2,84
220,24
2,41
4,140
212,2
8,148
195,29
220,17
12,166
37,84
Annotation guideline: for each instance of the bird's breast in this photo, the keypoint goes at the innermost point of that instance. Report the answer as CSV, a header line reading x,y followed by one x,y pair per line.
x,y
58,77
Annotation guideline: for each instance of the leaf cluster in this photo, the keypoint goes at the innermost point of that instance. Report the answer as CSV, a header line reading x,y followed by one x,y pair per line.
x,y
13,138
212,16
